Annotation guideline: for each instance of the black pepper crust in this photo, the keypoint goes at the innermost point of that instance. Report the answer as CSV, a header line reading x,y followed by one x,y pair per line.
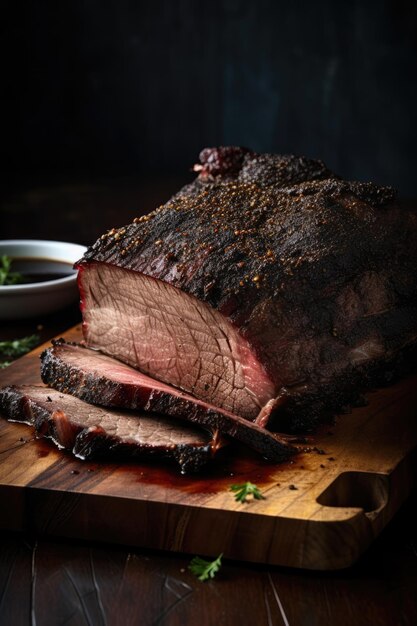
x,y
280,220
284,248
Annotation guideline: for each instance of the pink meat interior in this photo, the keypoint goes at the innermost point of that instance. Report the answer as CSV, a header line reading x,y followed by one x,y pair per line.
x,y
172,337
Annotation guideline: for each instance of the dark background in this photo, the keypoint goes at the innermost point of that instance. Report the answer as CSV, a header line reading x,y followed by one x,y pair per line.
x,y
108,89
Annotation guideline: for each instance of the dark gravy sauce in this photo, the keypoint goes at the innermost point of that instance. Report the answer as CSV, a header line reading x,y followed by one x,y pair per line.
x,y
38,270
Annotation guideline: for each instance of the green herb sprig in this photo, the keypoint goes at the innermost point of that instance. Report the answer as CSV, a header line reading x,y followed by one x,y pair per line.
x,y
7,277
244,490
18,347
204,570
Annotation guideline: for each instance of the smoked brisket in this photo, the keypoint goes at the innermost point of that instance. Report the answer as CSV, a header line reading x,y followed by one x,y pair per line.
x,y
268,281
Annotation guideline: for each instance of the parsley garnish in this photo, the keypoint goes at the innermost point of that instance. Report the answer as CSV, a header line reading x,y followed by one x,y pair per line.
x,y
5,364
205,569
18,347
246,489
8,277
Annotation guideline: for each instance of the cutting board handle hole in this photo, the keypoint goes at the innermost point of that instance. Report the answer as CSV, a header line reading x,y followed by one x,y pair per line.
x,y
363,490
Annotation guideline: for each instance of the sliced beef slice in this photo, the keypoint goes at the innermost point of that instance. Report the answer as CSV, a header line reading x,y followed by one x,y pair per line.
x,y
99,379
91,432
267,276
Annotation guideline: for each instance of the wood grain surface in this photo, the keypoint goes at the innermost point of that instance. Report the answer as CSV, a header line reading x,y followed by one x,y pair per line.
x,y
320,511
51,581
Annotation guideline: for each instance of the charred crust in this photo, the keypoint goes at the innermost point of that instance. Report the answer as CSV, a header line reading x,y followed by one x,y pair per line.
x,y
278,219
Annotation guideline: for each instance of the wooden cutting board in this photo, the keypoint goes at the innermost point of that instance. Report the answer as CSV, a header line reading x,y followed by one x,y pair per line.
x,y
321,511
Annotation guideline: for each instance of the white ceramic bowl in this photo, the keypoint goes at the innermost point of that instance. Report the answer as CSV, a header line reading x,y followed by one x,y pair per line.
x,y
37,298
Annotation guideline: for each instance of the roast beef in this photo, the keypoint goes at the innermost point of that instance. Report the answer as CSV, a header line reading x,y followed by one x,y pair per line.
x,y
267,281
102,380
91,432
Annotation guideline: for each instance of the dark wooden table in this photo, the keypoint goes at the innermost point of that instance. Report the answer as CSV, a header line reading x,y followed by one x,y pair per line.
x,y
46,581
